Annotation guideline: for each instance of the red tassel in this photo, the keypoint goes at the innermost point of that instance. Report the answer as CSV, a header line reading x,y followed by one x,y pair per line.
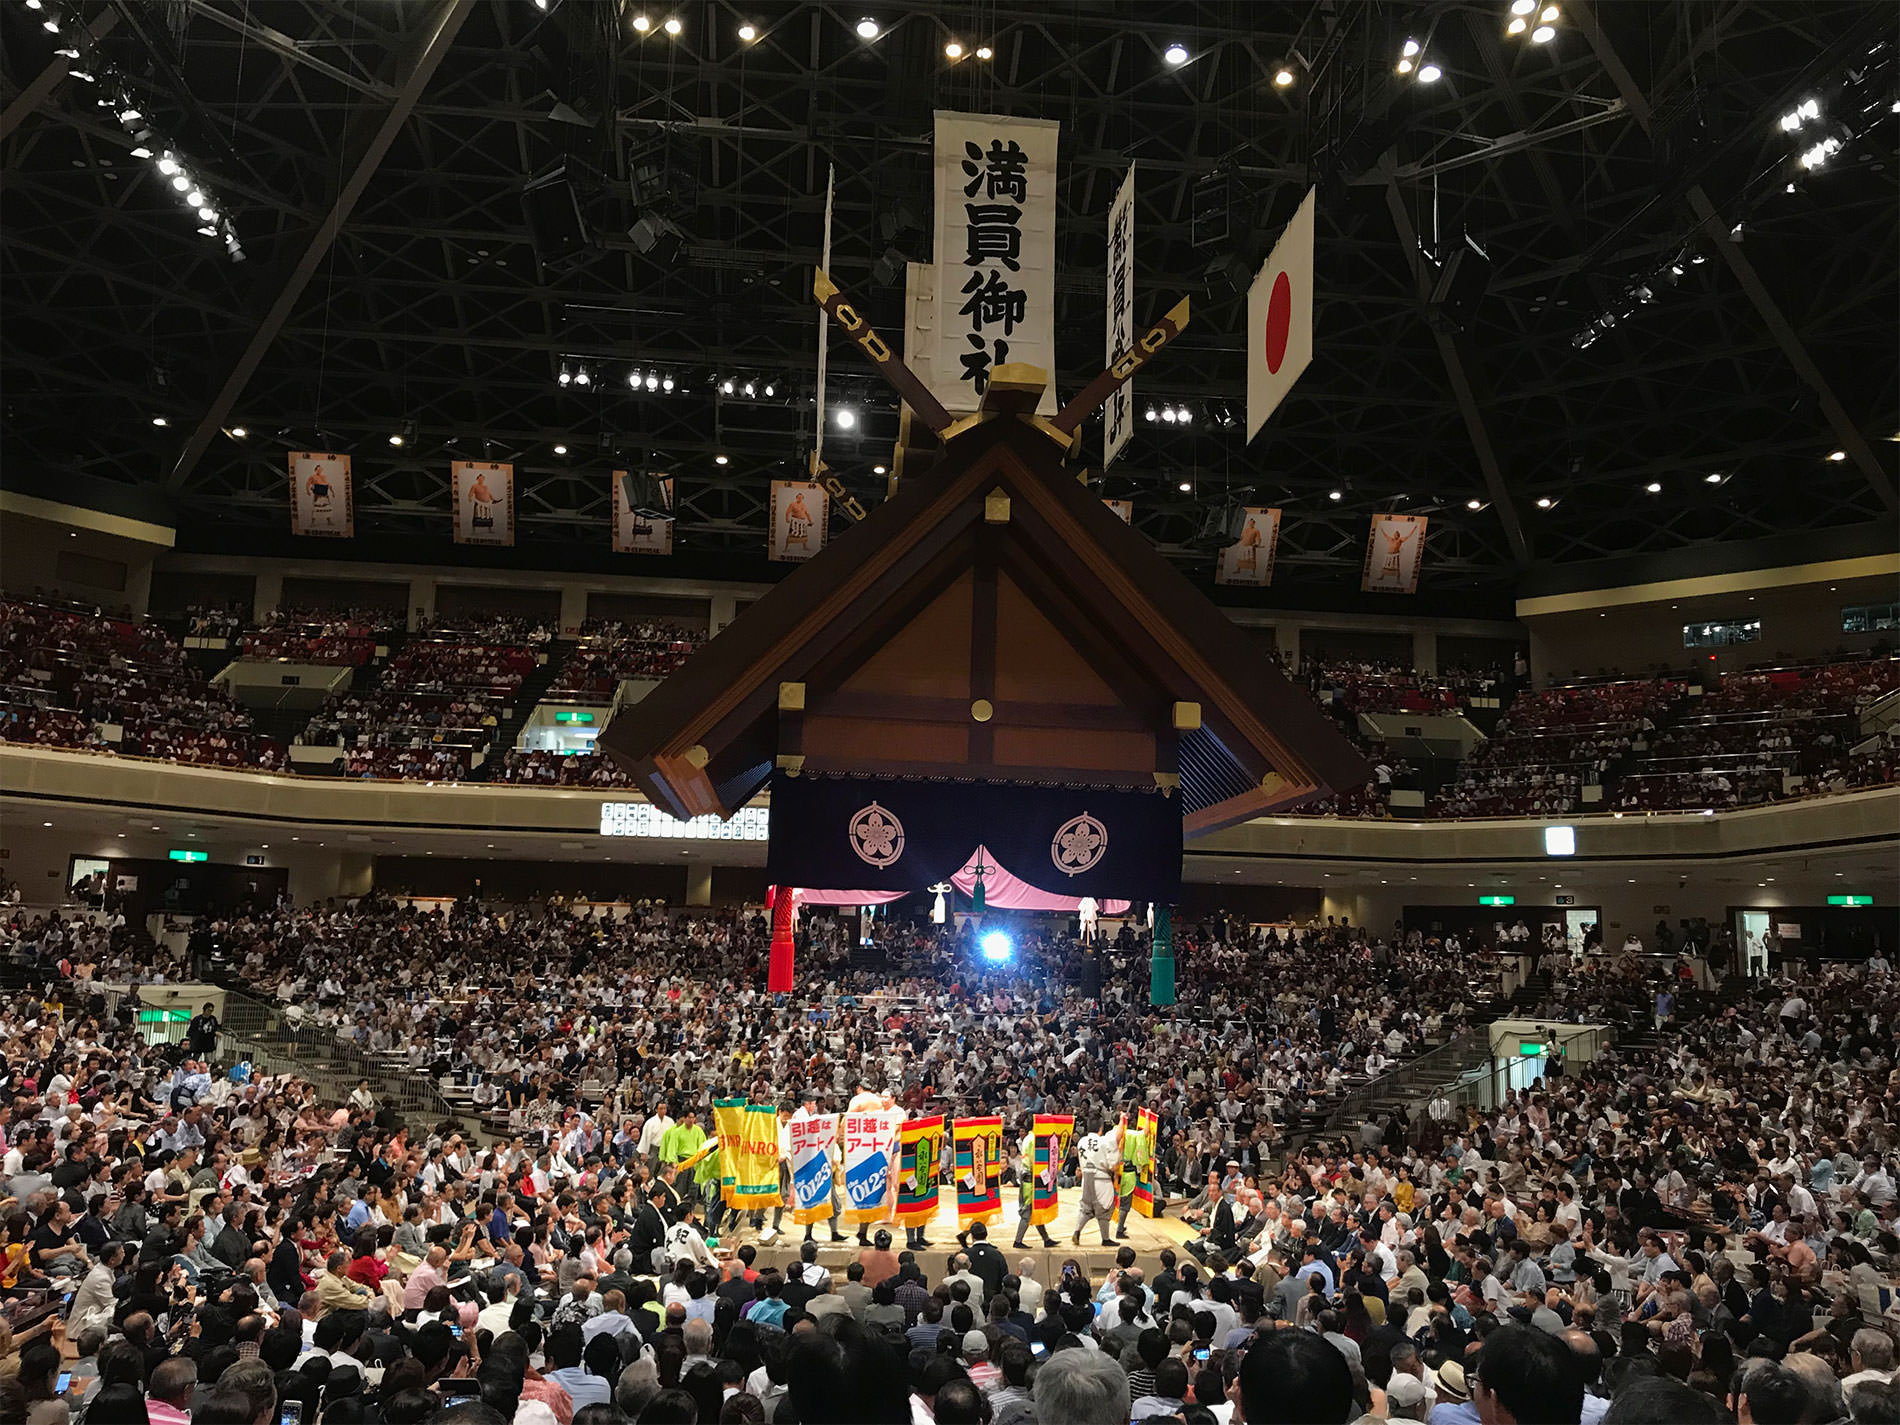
x,y
778,979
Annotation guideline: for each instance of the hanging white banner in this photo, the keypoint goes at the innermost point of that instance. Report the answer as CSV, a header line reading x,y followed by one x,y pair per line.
x,y
484,501
1118,415
801,510
995,253
1249,559
320,498
1395,551
639,529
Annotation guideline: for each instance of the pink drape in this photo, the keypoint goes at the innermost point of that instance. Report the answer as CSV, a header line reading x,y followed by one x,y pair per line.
x,y
1001,891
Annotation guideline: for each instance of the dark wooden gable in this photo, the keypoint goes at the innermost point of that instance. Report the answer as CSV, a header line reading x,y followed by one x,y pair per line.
x,y
993,621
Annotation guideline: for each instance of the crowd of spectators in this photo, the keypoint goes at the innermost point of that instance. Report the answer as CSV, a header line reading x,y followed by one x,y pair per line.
x,y
561,769
1682,1229
1364,685
610,651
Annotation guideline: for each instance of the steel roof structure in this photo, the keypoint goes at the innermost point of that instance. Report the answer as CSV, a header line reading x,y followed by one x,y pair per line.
x,y
1676,298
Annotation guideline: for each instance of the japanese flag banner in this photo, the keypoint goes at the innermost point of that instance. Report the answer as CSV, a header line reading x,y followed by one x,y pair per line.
x,y
1280,318
1395,549
995,255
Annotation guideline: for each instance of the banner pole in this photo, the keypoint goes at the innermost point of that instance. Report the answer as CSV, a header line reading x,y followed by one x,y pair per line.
x,y
778,979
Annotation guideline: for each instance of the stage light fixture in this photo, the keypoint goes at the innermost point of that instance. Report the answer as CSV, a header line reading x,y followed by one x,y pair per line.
x,y
673,26
726,387
1429,73
1176,54
560,450
867,28
130,116
181,182
642,23
666,383
160,421
845,418
1517,26
877,469
1818,155
582,377
750,390
209,215
721,460
196,198
238,432
396,439
768,389
141,152
1654,487
1474,504
1523,7
1283,76
1335,495
1411,49
748,33
997,946
1711,479
1185,487
985,52
35,4
1837,456
953,50
1544,502
1167,414
653,380
1151,414
1549,15
633,380
51,26
168,165
1184,416
566,378
1404,66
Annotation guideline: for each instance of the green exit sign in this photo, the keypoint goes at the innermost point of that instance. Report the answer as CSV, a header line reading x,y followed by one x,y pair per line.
x,y
1532,1049
189,855
1850,900
164,1016
573,717
1497,900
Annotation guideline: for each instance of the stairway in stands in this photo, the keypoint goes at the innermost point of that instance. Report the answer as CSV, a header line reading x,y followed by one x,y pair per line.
x,y
533,688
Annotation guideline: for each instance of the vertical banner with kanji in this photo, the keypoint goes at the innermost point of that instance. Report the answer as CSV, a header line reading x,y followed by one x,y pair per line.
x,y
1249,559
995,253
639,527
1053,1132
1140,1146
979,1169
728,1128
869,1146
811,1139
754,1158
484,494
1395,549
1118,415
320,498
920,1156
801,509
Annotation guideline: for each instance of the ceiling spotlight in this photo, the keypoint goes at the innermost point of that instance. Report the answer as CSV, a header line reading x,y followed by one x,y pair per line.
x,y
207,231
1185,487
750,390
953,50
1335,495
633,380
1175,54
1820,153
673,26
1542,35
1184,416
238,432
720,460
1654,487
396,439
845,418
985,52
1428,73
1544,502
51,26
1411,49
160,421
1167,414
1404,66
666,383
1150,414
581,377
1517,26
726,387
130,116
642,23
1711,479
141,152
877,469
1283,76
181,182
1549,15
168,165
566,377
1523,7
34,4
768,388
1474,504
196,198
867,28
653,380
209,215
560,450
1837,456
748,33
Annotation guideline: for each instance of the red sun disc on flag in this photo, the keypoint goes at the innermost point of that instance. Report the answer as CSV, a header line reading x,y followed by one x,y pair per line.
x,y
1279,321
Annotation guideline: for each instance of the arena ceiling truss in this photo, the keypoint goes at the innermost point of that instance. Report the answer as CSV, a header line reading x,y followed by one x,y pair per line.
x,y
1673,295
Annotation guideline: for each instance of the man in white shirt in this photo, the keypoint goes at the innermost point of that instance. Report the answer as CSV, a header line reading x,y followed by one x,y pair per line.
x,y
655,1128
684,1244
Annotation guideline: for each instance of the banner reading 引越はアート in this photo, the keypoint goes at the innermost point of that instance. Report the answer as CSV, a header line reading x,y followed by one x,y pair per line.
x,y
1395,552
321,502
995,254
891,834
979,1169
811,1140
1118,413
800,512
484,495
1248,560
870,1147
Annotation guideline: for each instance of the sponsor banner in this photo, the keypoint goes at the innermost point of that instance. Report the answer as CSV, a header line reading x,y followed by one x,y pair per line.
x,y
728,1115
801,509
891,834
870,1146
1053,1132
1248,560
979,1170
1118,412
1280,319
635,531
1395,550
321,499
811,1141
484,502
1139,1145
920,1149
995,253
755,1156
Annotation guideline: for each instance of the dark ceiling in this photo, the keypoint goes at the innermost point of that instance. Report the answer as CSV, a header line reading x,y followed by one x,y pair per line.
x,y
1612,161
